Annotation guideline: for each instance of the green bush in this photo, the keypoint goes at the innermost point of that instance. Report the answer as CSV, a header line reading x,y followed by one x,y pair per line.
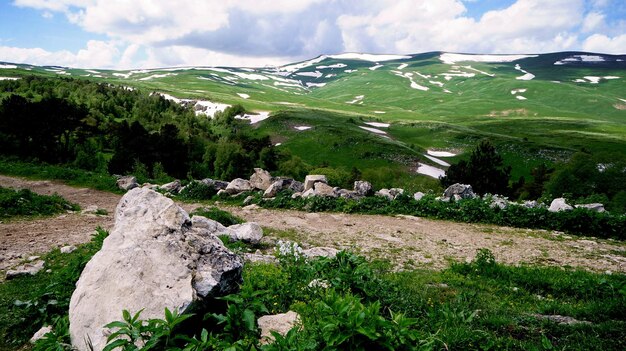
x,y
25,203
197,191
214,213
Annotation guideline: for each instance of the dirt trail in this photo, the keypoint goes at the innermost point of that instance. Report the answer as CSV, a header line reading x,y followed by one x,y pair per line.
x,y
408,241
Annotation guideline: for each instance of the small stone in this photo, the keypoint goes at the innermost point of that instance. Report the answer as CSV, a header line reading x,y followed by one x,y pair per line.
x,y
68,249
30,268
40,333
279,323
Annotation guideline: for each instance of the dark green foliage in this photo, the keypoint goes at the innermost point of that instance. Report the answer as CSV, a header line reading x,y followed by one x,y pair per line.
x,y
484,171
197,191
25,203
586,175
29,302
579,221
214,213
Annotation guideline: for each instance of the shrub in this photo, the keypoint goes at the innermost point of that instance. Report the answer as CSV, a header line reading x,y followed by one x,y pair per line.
x,y
214,213
26,203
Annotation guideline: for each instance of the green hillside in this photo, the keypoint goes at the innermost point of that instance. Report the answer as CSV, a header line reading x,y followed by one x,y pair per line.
x,y
534,108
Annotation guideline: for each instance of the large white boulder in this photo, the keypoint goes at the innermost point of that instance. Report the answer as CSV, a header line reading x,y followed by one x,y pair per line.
x,y
463,190
238,185
559,205
280,323
362,188
311,179
127,183
155,257
325,190
247,232
261,179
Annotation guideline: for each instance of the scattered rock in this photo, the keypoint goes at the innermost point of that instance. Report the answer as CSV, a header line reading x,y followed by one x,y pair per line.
x,y
247,232
261,179
127,183
279,323
171,187
498,201
296,195
328,252
463,190
91,209
391,194
558,205
273,189
324,190
254,257
251,207
595,207
311,179
238,185
362,188
530,204
68,249
222,192
155,251
40,333
30,268
248,200
418,195
349,194
293,185
564,320
308,193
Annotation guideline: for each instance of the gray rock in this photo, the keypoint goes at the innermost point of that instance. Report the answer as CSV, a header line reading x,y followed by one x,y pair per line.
x,y
40,334
390,194
349,194
294,185
595,207
273,189
261,179
248,200
238,185
247,232
155,257
530,204
222,192
418,195
296,195
328,252
91,209
324,190
68,249
563,320
463,190
260,258
279,323
127,183
558,205
171,187
499,202
311,179
30,268
362,188
308,193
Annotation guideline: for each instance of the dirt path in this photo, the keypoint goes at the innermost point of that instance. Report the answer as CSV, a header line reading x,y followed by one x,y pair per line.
x,y
408,241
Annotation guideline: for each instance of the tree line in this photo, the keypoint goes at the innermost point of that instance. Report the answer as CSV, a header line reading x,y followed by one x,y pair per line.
x,y
104,128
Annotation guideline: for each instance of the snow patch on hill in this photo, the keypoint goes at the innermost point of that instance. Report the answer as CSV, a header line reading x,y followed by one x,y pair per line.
x,y
157,76
243,96
357,99
9,78
374,130
378,124
451,59
2,65
255,118
527,75
430,171
440,153
302,127
368,57
437,161
580,58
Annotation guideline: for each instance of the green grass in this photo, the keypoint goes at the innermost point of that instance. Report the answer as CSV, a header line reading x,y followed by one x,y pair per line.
x,y
66,174
24,203
221,216
29,302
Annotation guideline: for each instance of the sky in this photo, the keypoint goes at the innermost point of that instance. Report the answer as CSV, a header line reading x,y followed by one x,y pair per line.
x,y
124,34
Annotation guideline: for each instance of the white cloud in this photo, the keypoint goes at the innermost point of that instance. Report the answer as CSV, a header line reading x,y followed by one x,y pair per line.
x,y
593,21
97,54
605,44
153,33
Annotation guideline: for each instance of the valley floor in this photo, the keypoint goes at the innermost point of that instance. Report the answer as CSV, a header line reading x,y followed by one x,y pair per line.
x,y
409,242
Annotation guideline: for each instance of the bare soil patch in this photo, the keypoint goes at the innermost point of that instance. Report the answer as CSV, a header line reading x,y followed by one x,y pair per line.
x,y
407,241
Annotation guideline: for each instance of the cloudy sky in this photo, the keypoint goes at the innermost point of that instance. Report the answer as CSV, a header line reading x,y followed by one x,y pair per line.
x,y
158,33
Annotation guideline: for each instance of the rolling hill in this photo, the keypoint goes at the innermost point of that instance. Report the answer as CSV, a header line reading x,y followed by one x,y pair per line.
x,y
393,115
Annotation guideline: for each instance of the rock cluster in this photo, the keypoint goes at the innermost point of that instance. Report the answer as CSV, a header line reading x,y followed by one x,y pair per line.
x,y
316,185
